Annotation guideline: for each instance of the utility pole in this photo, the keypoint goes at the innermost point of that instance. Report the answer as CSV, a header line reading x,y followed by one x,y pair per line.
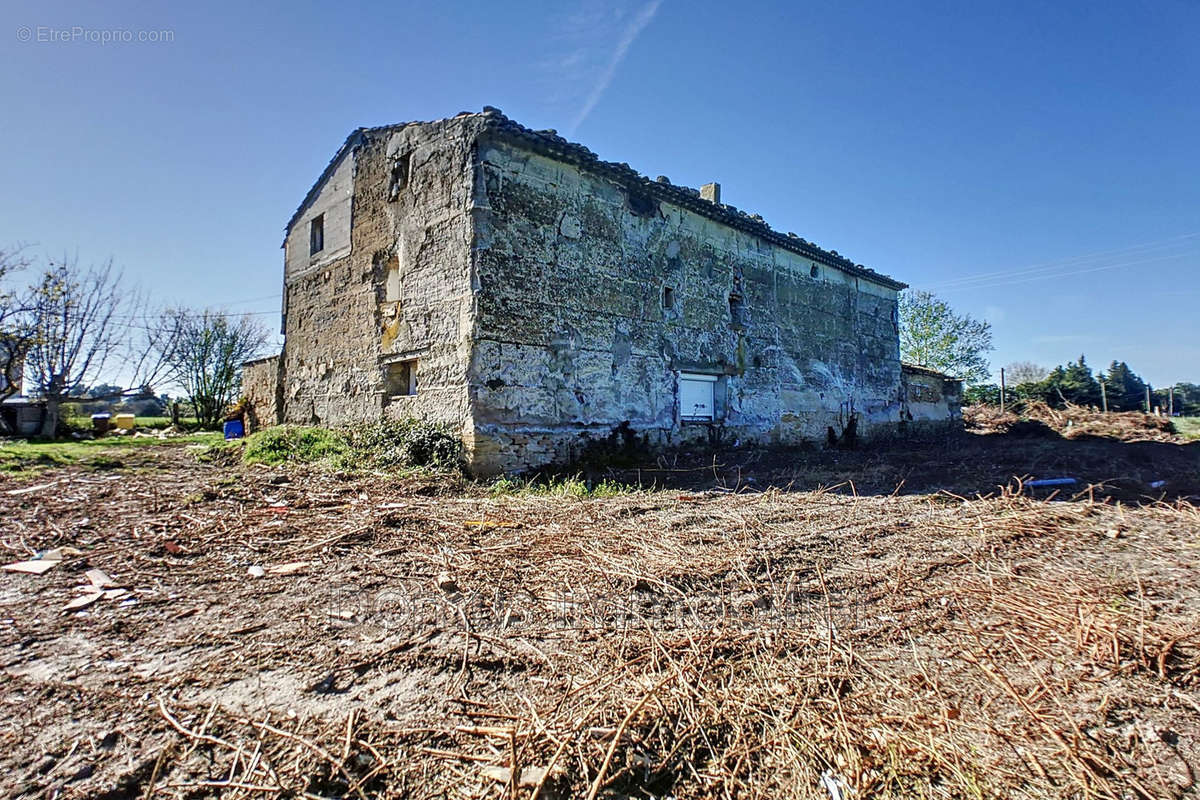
x,y
1148,409
1170,401
1103,398
1002,398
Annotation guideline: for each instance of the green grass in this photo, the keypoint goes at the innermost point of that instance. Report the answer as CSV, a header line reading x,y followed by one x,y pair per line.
x,y
295,444
158,423
558,487
391,445
1187,427
25,457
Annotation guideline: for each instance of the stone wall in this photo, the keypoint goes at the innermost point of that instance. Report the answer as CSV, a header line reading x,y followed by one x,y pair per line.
x,y
514,285
398,292
260,385
929,398
574,334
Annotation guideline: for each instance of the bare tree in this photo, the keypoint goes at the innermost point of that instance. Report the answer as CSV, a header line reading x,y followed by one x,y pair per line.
x,y
85,321
16,330
205,352
74,316
1020,372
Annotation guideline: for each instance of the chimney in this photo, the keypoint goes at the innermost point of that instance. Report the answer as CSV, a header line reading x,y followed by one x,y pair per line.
x,y
711,192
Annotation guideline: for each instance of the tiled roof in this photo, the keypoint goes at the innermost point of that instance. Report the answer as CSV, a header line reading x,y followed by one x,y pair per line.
x,y
555,146
919,370
550,144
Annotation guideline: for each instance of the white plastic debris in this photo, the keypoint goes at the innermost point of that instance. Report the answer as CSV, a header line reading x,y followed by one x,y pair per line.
x,y
837,789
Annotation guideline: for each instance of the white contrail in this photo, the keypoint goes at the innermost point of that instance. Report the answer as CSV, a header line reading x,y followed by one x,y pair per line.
x,y
628,36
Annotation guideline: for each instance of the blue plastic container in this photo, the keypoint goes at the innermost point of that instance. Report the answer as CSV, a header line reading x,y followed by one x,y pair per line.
x,y
234,429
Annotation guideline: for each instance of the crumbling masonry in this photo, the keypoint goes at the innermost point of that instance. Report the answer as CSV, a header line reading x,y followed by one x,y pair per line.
x,y
510,283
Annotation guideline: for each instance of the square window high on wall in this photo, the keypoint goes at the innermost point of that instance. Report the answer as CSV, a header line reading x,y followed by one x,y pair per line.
x,y
697,397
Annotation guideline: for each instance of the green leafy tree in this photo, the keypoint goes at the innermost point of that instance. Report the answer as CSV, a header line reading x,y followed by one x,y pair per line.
x,y
1124,389
982,394
1190,392
1073,383
1184,396
1029,390
104,391
933,336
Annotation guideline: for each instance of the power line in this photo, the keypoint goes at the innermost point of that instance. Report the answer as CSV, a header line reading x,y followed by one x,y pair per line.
x,y
1062,274
1080,260
193,314
209,309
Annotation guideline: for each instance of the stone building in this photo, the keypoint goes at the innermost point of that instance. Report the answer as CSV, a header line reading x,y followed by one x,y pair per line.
x,y
929,399
512,284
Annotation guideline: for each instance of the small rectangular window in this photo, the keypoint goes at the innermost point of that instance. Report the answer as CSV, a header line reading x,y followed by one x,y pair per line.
x,y
697,397
401,377
668,298
316,235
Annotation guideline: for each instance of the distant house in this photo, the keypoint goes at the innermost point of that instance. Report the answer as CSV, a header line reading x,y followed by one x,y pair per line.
x,y
512,284
928,396
22,415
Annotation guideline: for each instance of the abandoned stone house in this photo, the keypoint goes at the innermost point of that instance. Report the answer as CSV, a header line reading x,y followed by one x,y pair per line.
x,y
513,285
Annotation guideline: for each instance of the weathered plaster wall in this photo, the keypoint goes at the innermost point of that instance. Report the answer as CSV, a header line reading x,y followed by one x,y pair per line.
x,y
929,399
335,202
572,336
529,294
401,291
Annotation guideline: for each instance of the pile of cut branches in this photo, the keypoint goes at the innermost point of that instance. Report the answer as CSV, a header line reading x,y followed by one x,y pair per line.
x,y
1028,417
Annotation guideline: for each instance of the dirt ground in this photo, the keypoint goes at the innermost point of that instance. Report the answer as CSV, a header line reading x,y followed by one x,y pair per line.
x,y
906,621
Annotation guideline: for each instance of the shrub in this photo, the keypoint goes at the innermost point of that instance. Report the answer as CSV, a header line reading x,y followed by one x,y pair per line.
x,y
388,444
405,443
294,444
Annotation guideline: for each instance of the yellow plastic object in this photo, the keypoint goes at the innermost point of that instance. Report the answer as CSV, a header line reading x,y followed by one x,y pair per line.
x,y
124,421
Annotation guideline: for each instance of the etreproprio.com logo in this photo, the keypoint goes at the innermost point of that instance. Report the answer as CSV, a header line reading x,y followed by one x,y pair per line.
x,y
79,34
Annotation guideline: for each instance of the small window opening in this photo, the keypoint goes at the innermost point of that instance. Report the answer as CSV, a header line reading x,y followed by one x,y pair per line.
x,y
401,377
814,271
668,298
399,177
737,312
316,235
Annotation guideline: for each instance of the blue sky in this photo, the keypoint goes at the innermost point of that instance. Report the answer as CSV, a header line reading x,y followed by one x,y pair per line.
x,y
1035,163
